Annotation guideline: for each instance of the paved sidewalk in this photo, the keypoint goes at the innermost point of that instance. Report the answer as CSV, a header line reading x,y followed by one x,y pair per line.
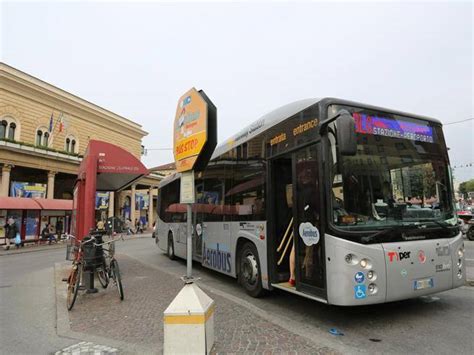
x,y
32,247
139,318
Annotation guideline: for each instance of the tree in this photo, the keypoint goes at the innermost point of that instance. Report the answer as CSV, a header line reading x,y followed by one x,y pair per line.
x,y
466,186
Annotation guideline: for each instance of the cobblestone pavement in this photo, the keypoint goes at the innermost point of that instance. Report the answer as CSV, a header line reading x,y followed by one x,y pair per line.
x,y
139,318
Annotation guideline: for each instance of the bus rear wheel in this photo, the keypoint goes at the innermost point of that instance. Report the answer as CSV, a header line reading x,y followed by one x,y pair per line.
x,y
170,250
250,276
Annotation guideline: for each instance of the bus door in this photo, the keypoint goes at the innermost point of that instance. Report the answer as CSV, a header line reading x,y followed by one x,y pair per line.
x,y
308,239
280,197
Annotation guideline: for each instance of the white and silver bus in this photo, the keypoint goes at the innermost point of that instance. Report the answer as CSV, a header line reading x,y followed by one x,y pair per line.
x,y
337,201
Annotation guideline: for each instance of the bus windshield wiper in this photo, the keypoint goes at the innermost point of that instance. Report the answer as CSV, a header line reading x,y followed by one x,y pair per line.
x,y
443,224
371,237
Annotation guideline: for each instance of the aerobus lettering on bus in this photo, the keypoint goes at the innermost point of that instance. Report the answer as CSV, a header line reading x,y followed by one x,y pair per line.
x,y
217,258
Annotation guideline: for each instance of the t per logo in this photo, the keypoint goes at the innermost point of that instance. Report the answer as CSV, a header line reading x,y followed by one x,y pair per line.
x,y
398,256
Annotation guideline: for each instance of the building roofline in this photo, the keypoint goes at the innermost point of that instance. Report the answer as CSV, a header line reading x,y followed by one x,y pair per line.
x,y
63,95
168,166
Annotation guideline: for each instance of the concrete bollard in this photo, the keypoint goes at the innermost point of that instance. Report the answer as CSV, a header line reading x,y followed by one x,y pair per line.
x,y
189,322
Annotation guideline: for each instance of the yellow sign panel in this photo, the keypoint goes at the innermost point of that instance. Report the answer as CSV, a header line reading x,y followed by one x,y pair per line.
x,y
190,129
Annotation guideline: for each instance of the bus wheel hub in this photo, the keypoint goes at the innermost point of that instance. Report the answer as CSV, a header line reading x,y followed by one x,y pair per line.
x,y
249,269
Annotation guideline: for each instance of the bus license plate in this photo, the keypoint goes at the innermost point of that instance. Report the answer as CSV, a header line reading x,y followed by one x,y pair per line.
x,y
424,284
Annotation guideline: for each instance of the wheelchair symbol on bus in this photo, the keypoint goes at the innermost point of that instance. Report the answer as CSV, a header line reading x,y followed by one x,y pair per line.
x,y
360,292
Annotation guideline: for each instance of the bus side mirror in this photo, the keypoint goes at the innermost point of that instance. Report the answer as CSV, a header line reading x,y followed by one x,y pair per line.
x,y
346,135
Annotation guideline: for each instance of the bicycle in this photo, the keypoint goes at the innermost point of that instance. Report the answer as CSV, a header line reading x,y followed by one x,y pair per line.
x,y
104,272
74,279
110,268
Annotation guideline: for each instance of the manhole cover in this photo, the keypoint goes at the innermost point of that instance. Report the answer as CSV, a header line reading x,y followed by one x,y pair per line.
x,y
87,348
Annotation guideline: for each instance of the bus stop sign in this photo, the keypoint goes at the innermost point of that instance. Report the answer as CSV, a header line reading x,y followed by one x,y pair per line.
x,y
194,131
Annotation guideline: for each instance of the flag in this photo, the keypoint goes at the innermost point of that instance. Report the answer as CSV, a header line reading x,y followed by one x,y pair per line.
x,y
51,124
61,124
64,122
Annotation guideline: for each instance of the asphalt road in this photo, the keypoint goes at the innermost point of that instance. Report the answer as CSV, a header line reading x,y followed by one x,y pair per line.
x,y
28,303
441,324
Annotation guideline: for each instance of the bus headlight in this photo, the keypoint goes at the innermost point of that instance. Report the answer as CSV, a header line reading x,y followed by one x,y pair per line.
x,y
365,264
459,274
371,275
461,252
372,288
351,259
459,263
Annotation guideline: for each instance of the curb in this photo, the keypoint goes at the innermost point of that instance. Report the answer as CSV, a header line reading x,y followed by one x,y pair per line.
x,y
31,249
63,325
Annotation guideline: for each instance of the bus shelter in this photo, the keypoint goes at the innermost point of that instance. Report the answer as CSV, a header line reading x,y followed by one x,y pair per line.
x,y
105,167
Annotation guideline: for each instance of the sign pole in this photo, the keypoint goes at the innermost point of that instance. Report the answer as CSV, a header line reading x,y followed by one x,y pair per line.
x,y
190,315
189,269
187,196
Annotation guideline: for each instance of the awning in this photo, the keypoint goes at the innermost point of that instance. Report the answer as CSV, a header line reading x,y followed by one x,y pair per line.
x,y
116,167
18,203
54,204
21,203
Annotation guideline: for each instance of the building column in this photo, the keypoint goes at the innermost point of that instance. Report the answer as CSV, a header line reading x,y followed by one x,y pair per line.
x,y
151,215
111,203
117,204
50,189
6,169
132,205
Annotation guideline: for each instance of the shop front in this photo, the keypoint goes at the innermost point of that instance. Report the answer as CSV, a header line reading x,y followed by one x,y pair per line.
x,y
31,216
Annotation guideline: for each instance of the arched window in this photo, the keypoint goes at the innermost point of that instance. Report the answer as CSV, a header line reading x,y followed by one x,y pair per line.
x,y
11,131
71,144
39,137
45,139
3,129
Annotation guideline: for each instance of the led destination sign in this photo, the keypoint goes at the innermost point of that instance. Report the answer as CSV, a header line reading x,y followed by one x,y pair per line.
x,y
382,126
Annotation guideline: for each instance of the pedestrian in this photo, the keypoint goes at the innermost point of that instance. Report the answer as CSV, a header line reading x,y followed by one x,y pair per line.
x,y
127,226
140,225
59,228
100,225
47,234
11,231
137,226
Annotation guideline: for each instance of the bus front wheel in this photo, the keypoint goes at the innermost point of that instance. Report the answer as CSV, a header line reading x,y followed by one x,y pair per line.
x,y
170,251
470,233
250,276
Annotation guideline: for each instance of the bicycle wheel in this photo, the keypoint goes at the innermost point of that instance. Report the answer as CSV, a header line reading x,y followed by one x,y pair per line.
x,y
73,285
114,268
103,276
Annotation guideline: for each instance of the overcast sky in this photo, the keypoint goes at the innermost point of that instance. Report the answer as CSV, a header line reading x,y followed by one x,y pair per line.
x,y
137,59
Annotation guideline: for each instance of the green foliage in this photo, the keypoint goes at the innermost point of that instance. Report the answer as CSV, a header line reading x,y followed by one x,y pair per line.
x,y
466,186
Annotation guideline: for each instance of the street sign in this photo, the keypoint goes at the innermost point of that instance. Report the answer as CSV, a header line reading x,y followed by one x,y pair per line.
x,y
187,187
194,131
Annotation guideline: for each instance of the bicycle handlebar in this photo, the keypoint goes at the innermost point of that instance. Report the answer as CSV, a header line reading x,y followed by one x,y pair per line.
x,y
92,238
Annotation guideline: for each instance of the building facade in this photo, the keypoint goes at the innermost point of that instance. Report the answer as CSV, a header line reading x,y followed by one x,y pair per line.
x,y
44,132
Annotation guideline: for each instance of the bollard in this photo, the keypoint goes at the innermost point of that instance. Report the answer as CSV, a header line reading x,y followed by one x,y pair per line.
x,y
189,322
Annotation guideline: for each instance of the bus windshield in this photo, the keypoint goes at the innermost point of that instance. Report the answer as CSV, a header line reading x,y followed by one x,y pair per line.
x,y
400,175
